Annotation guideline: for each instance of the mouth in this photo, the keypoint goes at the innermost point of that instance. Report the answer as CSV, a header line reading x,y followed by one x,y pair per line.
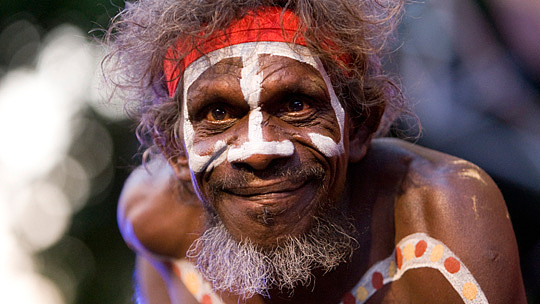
x,y
271,203
262,190
265,210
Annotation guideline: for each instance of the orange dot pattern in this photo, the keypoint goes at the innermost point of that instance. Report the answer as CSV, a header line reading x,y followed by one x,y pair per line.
x,y
451,265
377,280
414,251
348,298
470,291
399,258
418,250
408,252
195,283
362,294
206,299
177,271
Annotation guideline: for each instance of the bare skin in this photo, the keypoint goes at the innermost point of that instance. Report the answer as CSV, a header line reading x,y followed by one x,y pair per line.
x,y
389,188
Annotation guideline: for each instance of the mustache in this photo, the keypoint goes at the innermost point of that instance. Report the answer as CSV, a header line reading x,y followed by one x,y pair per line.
x,y
243,177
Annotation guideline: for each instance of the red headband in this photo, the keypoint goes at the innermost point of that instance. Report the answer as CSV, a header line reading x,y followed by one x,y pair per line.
x,y
265,24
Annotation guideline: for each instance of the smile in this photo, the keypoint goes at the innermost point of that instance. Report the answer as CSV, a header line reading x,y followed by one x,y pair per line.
x,y
281,202
272,190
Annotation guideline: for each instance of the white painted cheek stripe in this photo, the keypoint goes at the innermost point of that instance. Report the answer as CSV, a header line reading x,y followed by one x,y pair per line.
x,y
324,143
282,148
199,163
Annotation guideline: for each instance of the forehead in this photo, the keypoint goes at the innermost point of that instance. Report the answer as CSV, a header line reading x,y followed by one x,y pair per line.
x,y
271,73
249,55
266,64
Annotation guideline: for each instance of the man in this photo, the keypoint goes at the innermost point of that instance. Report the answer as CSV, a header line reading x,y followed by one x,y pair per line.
x,y
271,189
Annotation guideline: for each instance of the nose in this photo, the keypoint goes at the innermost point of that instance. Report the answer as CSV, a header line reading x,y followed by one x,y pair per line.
x,y
259,161
259,150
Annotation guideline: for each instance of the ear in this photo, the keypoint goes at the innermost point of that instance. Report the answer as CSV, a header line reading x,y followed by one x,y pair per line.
x,y
180,167
362,130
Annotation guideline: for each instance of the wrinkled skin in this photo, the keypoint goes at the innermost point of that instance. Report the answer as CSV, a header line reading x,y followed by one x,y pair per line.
x,y
389,189
251,194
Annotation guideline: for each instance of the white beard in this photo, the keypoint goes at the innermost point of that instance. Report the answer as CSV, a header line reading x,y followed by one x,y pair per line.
x,y
244,269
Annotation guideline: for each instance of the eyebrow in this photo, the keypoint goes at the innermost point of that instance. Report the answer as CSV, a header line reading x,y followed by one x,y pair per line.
x,y
310,82
205,91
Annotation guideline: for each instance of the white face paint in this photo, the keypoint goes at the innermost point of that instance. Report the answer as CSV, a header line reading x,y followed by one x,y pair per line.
x,y
251,84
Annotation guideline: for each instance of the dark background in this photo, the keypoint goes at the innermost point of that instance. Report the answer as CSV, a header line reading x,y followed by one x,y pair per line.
x,y
476,90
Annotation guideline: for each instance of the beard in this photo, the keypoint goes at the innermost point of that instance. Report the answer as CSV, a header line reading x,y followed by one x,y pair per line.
x,y
243,268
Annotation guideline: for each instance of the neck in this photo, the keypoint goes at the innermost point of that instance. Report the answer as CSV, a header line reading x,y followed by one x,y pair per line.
x,y
330,286
326,287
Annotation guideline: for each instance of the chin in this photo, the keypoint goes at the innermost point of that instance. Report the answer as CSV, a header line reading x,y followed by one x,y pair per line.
x,y
245,267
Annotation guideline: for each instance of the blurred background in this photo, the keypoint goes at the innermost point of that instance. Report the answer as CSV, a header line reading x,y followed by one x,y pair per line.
x,y
471,67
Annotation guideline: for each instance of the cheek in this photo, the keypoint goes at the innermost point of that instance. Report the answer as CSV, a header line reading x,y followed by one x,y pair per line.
x,y
330,145
326,137
204,153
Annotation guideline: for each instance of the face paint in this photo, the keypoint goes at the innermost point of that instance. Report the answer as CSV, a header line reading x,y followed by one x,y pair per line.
x,y
251,84
256,144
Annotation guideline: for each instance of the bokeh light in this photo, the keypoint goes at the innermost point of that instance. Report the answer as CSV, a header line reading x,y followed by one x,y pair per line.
x,y
53,158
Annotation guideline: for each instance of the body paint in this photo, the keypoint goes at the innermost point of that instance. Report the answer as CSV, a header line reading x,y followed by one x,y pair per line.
x,y
194,282
251,82
256,144
471,173
418,250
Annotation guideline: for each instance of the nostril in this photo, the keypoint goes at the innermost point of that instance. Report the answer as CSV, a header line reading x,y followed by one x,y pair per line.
x,y
259,161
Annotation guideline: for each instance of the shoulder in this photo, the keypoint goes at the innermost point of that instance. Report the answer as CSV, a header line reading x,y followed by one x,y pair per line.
x,y
456,203
447,195
157,214
436,188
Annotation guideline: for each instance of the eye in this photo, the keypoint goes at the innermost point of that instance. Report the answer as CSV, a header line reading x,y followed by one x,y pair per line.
x,y
296,105
218,113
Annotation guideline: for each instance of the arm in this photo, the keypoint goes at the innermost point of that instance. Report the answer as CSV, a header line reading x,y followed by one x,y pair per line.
x,y
159,217
458,204
151,288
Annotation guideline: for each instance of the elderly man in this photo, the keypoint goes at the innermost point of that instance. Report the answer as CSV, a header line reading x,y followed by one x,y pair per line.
x,y
271,187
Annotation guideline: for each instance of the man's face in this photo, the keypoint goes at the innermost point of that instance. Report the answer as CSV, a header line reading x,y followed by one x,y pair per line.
x,y
266,138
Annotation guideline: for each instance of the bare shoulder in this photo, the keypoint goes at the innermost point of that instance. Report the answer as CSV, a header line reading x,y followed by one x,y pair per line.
x,y
156,214
457,204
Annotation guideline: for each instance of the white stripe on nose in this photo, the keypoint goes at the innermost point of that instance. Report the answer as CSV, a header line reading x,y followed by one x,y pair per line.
x,y
256,144
251,85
